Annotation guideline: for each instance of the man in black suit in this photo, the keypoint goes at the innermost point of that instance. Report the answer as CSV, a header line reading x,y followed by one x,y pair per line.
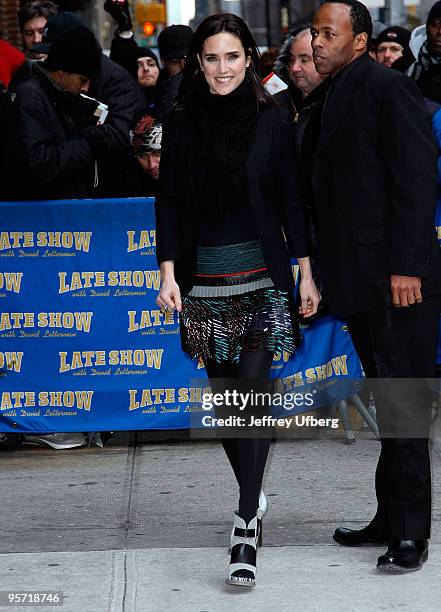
x,y
373,185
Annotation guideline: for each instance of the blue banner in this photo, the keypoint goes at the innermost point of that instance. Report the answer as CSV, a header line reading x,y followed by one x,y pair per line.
x,y
84,347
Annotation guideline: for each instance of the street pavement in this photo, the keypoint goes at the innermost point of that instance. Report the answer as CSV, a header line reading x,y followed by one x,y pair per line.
x,y
143,525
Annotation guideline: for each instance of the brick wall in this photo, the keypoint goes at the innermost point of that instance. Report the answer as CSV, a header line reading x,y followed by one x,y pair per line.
x,y
8,22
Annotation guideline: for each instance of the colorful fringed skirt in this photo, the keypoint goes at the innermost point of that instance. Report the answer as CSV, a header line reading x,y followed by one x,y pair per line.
x,y
234,307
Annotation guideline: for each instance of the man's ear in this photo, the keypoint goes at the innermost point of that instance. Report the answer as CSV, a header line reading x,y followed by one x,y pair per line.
x,y
361,41
58,76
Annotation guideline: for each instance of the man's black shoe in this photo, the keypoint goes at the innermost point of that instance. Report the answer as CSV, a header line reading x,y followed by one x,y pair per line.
x,y
404,556
358,537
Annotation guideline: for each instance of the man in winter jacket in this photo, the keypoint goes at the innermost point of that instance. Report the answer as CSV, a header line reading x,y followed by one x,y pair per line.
x,y
297,65
393,45
146,139
426,69
141,62
50,151
173,43
115,87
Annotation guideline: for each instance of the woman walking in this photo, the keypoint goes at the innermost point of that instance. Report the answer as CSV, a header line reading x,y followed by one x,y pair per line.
x,y
229,214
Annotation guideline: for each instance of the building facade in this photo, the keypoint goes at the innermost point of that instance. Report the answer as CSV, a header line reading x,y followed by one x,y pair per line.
x,y
269,20
9,29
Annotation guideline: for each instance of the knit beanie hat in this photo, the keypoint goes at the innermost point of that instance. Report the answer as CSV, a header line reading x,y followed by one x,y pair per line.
x,y
435,12
394,34
174,41
56,26
146,52
146,136
76,51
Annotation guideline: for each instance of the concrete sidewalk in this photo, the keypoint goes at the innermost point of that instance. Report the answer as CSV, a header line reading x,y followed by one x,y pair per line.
x,y
143,525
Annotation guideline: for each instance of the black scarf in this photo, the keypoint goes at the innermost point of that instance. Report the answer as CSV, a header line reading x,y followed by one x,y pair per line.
x,y
222,133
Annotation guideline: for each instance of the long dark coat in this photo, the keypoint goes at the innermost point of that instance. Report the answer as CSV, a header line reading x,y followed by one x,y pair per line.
x,y
273,188
373,186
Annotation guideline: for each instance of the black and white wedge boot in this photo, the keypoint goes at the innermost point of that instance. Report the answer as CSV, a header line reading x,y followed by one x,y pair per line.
x,y
243,553
261,511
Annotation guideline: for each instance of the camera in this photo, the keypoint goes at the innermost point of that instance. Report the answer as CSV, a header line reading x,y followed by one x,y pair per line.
x,y
101,110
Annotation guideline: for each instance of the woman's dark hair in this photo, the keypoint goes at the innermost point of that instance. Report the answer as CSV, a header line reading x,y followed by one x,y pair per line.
x,y
216,24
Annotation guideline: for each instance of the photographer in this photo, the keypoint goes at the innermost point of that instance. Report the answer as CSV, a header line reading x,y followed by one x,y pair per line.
x,y
50,151
115,88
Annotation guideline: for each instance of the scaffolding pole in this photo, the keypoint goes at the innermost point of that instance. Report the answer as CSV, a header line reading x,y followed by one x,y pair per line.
x,y
394,12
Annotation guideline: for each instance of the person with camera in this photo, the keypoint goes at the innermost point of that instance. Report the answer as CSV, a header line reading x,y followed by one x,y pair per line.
x,y
124,98
50,153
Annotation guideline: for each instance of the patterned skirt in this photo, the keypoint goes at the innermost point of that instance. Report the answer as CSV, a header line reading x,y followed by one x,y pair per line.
x,y
234,307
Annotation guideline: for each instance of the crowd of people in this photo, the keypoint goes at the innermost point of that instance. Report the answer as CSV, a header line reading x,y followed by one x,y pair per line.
x,y
346,147
120,158
50,117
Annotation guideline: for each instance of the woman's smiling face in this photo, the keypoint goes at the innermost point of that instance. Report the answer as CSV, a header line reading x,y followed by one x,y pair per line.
x,y
223,63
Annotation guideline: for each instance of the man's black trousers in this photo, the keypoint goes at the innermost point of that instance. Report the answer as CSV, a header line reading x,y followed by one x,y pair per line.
x,y
401,343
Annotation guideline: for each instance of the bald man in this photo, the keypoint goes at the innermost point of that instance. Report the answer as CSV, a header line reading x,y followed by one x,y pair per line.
x,y
302,73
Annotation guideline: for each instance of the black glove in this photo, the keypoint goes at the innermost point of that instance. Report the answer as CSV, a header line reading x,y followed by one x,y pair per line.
x,y
97,138
121,13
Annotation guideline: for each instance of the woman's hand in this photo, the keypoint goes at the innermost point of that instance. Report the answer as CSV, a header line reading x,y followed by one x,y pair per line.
x,y
310,297
169,296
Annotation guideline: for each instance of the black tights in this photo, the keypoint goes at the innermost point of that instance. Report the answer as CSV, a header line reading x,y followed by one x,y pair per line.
x,y
247,455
